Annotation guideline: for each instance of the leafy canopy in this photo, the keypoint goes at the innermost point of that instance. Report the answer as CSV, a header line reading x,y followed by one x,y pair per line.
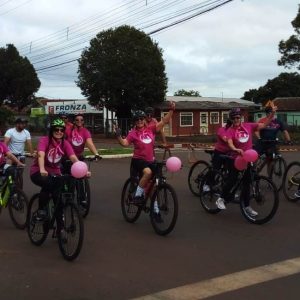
x,y
122,69
18,79
188,93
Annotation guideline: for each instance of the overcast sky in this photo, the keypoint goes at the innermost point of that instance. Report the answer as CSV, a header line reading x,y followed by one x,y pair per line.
x,y
224,52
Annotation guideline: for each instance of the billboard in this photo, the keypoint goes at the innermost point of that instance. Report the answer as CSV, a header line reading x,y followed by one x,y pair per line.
x,y
71,107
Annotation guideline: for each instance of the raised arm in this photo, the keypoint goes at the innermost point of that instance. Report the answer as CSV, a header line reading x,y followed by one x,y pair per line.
x,y
122,142
268,119
166,119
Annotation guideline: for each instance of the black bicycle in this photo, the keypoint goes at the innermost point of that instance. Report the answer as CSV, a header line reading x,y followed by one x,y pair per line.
x,y
13,197
158,190
263,194
62,217
19,171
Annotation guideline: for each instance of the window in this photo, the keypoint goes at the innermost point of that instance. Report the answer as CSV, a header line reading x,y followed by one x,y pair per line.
x,y
203,118
186,119
214,118
225,116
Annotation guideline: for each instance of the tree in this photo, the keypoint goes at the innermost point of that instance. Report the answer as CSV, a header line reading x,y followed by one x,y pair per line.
x,y
122,69
190,93
290,49
18,79
284,85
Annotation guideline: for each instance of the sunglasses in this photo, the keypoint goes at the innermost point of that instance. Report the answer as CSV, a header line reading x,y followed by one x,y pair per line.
x,y
58,130
149,115
139,119
79,120
236,118
64,117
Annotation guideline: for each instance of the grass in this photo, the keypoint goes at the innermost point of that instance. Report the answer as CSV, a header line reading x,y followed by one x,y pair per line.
x,y
112,151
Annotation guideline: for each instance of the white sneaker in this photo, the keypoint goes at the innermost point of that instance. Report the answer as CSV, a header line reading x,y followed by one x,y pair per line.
x,y
220,203
251,212
206,188
297,194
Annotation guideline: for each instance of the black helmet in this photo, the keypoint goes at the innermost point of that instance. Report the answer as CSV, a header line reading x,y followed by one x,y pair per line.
x,y
268,109
234,112
137,115
20,121
149,110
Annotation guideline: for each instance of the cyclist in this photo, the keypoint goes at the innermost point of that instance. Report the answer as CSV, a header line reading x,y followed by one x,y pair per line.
x,y
240,140
16,138
267,136
78,136
51,149
142,137
64,116
150,120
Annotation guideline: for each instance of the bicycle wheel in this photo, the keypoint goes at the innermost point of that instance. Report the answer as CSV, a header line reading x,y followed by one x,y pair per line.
x,y
19,179
196,173
263,199
167,202
130,211
208,198
276,172
70,236
18,207
37,230
83,195
291,181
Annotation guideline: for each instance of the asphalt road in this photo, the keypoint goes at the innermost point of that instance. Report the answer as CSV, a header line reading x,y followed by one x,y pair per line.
x,y
122,261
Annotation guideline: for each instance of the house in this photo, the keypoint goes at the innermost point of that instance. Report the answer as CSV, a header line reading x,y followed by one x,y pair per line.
x,y
288,110
201,115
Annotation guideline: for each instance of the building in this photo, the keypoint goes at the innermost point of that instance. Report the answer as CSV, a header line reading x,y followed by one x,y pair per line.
x,y
201,115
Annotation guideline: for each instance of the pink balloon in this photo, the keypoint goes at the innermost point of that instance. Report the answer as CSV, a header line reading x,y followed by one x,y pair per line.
x,y
79,169
173,164
250,155
240,164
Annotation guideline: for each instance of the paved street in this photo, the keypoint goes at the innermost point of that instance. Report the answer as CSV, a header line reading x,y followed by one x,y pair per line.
x,y
122,261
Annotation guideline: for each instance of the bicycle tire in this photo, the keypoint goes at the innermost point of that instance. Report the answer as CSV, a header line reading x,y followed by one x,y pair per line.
x,y
277,170
37,231
84,208
73,224
196,173
263,192
166,196
208,198
130,211
19,179
18,207
291,181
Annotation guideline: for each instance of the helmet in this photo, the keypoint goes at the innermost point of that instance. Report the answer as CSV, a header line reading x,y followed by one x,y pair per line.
x,y
234,112
58,123
20,120
149,110
138,114
268,109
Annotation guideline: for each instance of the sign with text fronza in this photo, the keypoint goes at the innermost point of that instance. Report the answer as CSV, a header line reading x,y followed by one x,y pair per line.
x,y
70,107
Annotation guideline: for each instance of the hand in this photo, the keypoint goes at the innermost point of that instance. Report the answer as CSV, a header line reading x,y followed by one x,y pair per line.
x,y
289,143
97,157
44,173
19,164
172,105
117,131
239,151
34,154
88,174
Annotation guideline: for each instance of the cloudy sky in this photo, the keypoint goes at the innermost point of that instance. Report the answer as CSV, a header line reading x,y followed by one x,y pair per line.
x,y
226,51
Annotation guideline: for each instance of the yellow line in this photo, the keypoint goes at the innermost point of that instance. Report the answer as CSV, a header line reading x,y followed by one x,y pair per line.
x,y
230,282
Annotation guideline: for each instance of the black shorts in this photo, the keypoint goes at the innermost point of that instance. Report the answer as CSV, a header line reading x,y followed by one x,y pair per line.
x,y
138,165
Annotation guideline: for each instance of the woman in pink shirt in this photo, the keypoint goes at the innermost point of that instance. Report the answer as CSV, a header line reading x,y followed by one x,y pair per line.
x,y
51,149
142,137
239,139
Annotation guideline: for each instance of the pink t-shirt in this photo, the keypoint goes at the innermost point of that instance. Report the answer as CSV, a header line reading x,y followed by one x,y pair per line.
x,y
3,151
77,138
220,144
152,122
54,152
242,136
143,142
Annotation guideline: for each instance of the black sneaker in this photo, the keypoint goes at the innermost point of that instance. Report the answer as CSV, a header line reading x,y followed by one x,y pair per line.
x,y
157,217
138,200
41,215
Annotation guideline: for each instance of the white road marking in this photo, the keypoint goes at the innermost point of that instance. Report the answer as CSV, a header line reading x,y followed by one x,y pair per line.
x,y
230,282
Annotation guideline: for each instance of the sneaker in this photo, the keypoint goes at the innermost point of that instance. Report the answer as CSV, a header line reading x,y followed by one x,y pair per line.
x,y
297,194
220,203
157,218
250,211
41,215
206,188
138,200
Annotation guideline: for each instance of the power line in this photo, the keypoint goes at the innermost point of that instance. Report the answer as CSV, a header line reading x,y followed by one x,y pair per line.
x,y
16,7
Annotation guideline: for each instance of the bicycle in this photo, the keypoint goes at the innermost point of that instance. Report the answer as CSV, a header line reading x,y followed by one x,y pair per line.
x,y
157,190
263,194
70,232
81,188
197,171
19,173
276,165
13,197
291,181
167,150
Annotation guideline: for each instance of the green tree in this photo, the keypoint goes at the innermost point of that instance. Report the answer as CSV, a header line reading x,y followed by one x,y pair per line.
x,y
122,69
190,93
290,49
284,85
18,79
